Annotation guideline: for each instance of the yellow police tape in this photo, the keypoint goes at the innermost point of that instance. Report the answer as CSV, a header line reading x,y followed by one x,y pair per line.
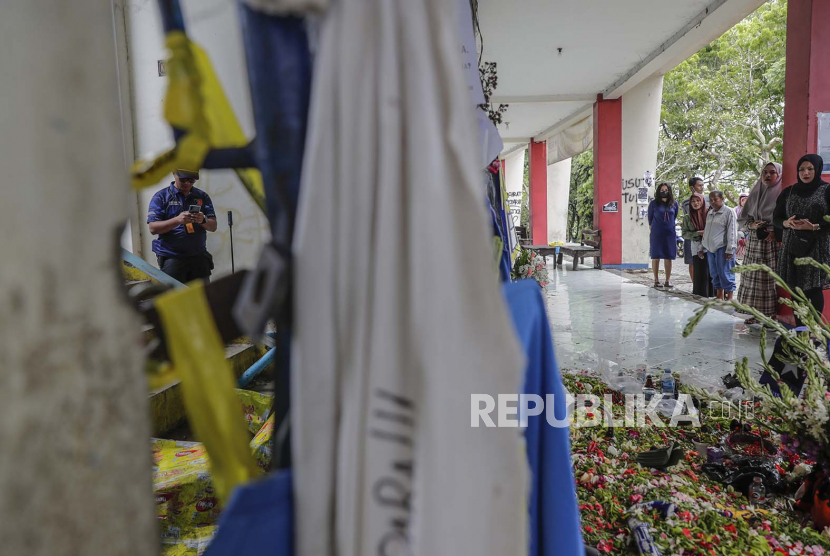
x,y
213,409
196,103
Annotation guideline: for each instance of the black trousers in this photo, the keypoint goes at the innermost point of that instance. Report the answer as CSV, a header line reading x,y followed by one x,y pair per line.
x,y
186,269
816,297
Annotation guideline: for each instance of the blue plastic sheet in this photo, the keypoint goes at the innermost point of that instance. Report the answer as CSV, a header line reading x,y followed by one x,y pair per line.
x,y
553,510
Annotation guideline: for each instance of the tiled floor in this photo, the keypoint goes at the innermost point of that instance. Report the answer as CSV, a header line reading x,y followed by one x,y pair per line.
x,y
598,317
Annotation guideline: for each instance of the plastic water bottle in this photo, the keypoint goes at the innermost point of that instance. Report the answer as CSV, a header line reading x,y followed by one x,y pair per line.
x,y
757,491
668,383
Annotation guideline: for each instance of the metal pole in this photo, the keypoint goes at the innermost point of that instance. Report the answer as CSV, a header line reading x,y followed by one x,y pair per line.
x,y
230,227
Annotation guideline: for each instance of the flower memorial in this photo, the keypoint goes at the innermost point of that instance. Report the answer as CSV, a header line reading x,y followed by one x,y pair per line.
x,y
710,518
530,264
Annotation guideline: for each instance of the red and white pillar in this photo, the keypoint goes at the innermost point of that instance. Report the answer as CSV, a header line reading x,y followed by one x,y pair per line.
x,y
608,176
539,192
807,92
807,80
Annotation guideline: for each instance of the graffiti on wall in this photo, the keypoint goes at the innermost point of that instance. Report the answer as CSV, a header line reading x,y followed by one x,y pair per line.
x,y
632,197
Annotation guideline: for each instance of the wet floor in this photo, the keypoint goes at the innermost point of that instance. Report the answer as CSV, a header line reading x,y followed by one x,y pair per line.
x,y
599,317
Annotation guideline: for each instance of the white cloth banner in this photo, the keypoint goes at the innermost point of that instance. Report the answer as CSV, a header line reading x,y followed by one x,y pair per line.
x,y
514,175
399,317
571,141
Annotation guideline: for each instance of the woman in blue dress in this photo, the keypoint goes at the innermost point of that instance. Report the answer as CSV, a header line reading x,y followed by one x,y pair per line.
x,y
662,213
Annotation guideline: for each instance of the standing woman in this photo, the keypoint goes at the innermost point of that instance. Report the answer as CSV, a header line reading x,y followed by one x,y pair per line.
x,y
694,223
662,214
800,212
757,288
742,199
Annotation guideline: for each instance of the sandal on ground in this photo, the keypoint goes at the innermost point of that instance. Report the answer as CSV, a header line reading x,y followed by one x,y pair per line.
x,y
750,321
658,285
668,285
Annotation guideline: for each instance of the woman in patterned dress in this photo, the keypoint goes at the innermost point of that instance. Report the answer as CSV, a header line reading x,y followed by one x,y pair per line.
x,y
757,288
800,212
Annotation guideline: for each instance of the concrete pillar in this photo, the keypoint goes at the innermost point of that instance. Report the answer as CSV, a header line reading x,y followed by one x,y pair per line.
x,y
807,79
559,181
514,175
538,192
75,466
608,177
640,131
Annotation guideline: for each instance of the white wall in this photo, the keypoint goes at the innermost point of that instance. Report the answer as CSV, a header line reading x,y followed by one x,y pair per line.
x,y
640,130
559,180
214,25
75,471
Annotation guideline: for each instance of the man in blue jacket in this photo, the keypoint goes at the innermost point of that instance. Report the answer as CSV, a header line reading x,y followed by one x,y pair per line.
x,y
181,215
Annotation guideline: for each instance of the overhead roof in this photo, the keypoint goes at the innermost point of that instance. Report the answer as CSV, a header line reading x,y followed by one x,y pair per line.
x,y
607,47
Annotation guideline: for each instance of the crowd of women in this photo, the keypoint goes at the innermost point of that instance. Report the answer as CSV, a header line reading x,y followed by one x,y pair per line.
x,y
778,224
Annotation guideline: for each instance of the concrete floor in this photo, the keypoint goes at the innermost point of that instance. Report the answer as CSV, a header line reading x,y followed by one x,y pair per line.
x,y
599,318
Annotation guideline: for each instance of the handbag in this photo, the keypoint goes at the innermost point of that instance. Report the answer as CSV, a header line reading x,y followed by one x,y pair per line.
x,y
802,243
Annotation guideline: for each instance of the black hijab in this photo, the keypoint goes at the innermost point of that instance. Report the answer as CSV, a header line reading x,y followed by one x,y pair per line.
x,y
818,164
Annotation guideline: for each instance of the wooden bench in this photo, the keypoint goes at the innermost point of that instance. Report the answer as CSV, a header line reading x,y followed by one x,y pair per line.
x,y
543,251
590,246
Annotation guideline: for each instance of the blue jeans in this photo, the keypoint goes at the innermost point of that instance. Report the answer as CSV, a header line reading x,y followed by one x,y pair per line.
x,y
721,270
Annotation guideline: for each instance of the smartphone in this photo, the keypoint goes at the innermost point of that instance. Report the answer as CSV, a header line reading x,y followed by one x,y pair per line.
x,y
195,208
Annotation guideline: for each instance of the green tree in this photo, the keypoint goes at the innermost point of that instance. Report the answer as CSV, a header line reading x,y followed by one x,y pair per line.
x,y
581,195
723,108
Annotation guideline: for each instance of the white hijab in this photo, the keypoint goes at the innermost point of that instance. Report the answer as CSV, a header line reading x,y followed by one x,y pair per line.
x,y
761,202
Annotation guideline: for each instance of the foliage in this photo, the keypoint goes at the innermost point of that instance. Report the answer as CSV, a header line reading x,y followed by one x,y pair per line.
x,y
723,108
803,419
530,264
581,195
488,73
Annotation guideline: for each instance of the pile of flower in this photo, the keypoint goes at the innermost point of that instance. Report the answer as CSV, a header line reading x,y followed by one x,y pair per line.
x,y
708,519
530,264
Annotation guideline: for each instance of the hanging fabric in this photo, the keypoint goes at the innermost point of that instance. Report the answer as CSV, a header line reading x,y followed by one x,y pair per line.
x,y
207,384
398,314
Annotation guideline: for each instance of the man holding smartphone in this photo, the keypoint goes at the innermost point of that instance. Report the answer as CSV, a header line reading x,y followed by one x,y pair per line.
x,y
181,215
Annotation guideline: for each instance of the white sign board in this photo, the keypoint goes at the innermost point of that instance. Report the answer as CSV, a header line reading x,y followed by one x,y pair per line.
x,y
824,140
642,191
612,206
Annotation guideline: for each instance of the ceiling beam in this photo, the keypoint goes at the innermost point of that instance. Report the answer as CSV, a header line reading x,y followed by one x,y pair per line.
x,y
574,117
542,99
515,139
507,152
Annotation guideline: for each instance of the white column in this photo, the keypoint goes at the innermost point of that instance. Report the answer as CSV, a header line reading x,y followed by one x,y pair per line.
x,y
514,175
559,181
75,472
640,131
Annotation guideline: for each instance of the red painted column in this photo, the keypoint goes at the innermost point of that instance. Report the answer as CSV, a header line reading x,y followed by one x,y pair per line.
x,y
608,176
807,93
539,193
807,80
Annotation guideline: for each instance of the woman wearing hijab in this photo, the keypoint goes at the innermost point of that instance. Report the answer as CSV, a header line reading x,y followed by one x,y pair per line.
x,y
742,198
757,288
662,214
800,212
694,222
